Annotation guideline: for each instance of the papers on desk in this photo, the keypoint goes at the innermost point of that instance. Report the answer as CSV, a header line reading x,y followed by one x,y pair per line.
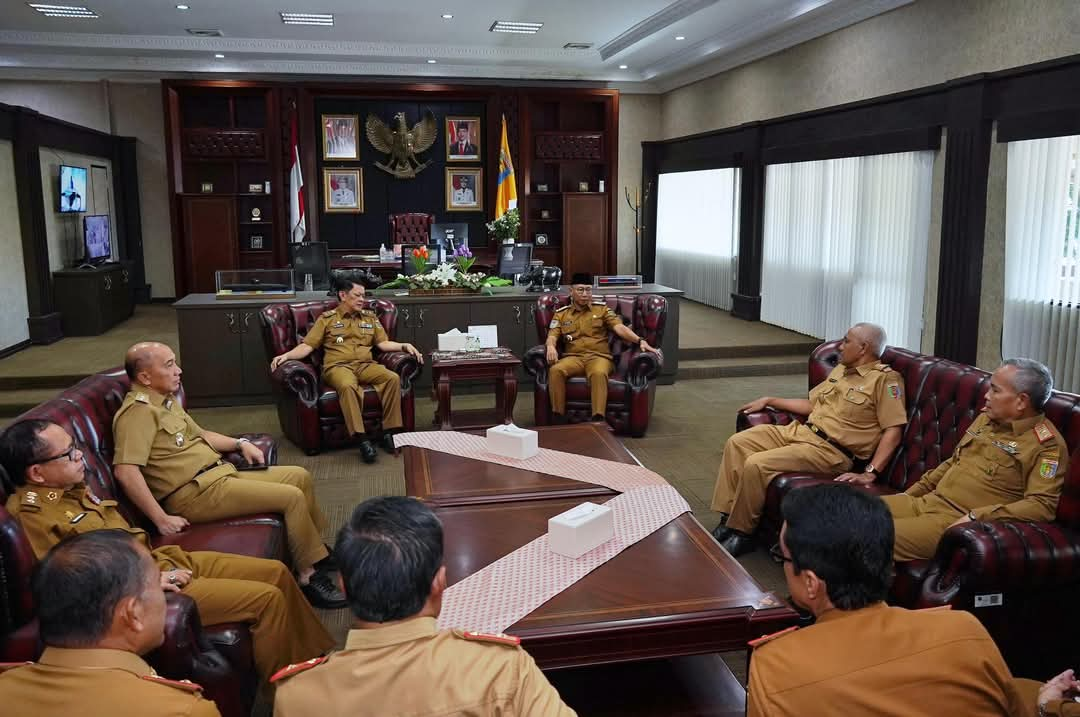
x,y
487,334
453,340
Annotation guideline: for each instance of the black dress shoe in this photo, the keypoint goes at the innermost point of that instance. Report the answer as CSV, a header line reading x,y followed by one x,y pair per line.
x,y
367,451
388,443
322,592
720,532
597,418
737,543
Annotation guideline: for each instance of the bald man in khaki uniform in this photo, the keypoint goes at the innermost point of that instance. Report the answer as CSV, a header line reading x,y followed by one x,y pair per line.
x,y
857,413
584,325
172,469
1010,464
347,335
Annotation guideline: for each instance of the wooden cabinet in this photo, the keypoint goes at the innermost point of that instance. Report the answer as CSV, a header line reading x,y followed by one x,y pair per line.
x,y
92,301
585,246
209,225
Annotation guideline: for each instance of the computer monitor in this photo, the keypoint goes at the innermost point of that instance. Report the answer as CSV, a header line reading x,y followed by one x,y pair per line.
x,y
513,259
436,255
450,235
311,258
97,239
72,183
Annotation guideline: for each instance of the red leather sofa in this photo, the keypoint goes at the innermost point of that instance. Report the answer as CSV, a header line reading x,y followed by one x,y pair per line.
x,y
1020,579
632,384
218,657
309,411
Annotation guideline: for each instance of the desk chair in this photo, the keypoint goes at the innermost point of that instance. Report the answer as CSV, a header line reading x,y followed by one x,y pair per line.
x,y
411,228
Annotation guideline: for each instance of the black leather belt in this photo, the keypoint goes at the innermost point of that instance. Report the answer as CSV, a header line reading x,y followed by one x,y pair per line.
x,y
835,444
212,466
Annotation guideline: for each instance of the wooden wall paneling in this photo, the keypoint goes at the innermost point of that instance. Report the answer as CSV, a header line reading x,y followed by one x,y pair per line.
x,y
585,234
128,214
611,127
310,140
746,299
210,240
170,99
277,147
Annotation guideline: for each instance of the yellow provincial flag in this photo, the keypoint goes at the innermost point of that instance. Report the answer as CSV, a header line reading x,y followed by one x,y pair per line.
x,y
506,198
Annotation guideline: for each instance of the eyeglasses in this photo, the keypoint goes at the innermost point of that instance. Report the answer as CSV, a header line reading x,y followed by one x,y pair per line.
x,y
582,289
69,454
778,555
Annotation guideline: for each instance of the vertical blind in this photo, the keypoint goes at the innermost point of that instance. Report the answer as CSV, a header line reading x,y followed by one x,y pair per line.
x,y
697,225
1042,253
845,241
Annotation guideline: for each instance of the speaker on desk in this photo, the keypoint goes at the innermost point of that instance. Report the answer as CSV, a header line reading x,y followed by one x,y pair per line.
x,y
311,258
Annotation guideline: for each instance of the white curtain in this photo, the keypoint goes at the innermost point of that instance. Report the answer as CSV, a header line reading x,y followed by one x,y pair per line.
x,y
1042,253
697,229
845,241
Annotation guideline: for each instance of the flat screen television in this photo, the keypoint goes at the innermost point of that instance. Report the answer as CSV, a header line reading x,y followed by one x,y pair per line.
x,y
72,189
97,239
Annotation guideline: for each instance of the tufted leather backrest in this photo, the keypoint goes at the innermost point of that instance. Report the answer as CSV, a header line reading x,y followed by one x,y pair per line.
x,y
1063,409
286,325
411,228
16,564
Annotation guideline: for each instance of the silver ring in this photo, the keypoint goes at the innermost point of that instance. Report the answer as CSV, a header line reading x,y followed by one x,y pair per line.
x,y
172,580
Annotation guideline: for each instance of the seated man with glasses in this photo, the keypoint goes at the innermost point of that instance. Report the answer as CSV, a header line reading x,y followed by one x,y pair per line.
x,y
51,502
584,326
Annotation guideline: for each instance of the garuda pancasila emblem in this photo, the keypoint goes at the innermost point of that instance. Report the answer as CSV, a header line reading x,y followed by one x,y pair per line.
x,y
402,143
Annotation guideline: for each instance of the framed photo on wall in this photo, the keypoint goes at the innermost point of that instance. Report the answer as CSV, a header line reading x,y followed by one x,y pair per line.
x,y
462,139
343,190
341,137
464,189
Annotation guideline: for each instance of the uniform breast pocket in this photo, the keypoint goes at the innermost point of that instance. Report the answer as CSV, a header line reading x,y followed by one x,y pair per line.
x,y
1002,467
854,403
173,425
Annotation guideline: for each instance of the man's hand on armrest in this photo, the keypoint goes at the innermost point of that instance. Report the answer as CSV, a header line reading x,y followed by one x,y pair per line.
x,y
132,481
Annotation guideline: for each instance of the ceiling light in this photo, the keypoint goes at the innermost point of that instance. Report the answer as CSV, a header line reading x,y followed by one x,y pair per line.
x,y
447,16
181,7
308,18
517,28
680,37
64,10
622,67
219,56
208,32
431,62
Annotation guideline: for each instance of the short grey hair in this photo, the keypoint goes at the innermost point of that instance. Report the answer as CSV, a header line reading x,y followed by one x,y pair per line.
x,y
1032,378
874,336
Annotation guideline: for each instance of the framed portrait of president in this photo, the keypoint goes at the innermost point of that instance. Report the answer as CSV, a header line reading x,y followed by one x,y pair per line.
x,y
462,139
341,137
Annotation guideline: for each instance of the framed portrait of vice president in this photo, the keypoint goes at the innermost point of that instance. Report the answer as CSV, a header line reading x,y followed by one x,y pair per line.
x,y
462,139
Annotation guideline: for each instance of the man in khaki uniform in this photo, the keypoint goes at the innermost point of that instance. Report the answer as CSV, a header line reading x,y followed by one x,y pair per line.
x,y
172,470
51,502
396,661
1057,697
584,325
347,336
100,607
863,657
1009,465
858,412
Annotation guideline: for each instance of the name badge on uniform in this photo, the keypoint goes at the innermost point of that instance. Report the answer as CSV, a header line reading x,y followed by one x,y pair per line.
x,y
366,326
1009,447
568,323
179,440
339,340
338,325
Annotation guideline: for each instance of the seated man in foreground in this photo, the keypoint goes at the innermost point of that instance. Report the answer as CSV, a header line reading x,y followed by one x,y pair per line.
x,y
391,560
51,502
99,606
584,325
172,470
857,413
347,336
863,657
1009,465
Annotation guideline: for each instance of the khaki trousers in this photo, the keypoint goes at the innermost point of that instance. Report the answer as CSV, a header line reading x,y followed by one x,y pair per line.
x,y
263,594
595,369
279,489
752,458
919,524
349,381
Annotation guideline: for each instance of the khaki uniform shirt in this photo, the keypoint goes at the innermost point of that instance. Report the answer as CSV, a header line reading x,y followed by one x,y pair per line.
x,y
345,337
854,405
155,433
1002,470
97,683
411,668
48,515
882,661
584,330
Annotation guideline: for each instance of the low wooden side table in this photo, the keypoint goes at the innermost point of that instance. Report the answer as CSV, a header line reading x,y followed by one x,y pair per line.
x,y
498,365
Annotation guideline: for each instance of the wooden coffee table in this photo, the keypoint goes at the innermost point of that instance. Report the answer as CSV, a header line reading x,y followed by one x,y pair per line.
x,y
677,592
496,365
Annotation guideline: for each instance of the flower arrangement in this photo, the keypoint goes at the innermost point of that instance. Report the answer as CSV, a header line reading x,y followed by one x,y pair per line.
x,y
505,228
419,259
447,277
463,258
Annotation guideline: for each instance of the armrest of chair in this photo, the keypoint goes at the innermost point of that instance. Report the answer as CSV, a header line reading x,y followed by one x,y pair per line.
x,y
535,362
22,644
402,363
265,443
298,378
997,555
769,415
644,367
186,653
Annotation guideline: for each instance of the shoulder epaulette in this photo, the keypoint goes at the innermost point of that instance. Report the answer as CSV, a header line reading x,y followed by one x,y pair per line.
x,y
599,302
185,685
1043,432
30,500
563,308
290,670
327,314
495,638
770,637
5,666
885,368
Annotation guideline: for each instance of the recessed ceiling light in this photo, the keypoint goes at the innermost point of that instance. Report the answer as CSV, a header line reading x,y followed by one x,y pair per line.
x,y
432,62
517,28
219,56
447,16
64,10
680,37
181,7
622,67
307,18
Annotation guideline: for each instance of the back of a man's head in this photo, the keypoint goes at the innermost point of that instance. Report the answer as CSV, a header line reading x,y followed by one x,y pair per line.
x,y
79,583
845,536
388,554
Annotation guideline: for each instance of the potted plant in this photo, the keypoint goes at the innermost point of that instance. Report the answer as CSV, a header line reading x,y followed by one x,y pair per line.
x,y
505,228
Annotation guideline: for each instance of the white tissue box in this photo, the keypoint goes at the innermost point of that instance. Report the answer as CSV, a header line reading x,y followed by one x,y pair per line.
x,y
512,442
453,341
580,529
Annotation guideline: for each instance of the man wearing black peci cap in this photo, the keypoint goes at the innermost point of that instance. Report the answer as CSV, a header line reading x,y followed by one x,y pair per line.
x,y
584,325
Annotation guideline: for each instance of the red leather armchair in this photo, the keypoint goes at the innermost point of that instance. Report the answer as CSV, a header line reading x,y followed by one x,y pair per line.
x,y
1019,578
632,384
411,228
308,410
218,657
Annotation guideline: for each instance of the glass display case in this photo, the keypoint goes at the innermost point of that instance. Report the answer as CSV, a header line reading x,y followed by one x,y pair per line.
x,y
254,283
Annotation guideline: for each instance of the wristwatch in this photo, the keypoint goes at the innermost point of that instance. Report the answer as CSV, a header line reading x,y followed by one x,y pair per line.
x,y
971,515
870,469
240,441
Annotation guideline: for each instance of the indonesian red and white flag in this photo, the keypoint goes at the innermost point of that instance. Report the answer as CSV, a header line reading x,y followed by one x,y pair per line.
x,y
297,222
